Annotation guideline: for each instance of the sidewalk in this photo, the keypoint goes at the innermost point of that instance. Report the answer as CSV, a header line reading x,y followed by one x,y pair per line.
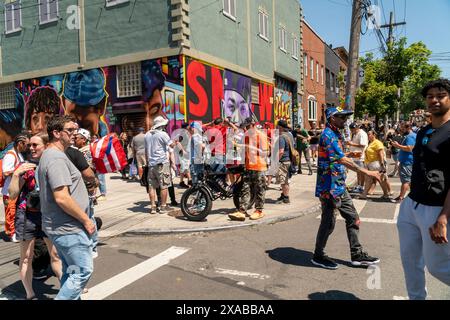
x,y
126,210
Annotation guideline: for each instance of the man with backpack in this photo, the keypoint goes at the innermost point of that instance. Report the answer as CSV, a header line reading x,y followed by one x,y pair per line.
x,y
9,163
287,155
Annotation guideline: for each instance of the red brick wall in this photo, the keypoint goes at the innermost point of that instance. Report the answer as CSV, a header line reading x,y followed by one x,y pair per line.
x,y
314,48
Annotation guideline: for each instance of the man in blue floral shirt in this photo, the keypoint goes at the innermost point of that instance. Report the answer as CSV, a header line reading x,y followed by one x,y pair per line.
x,y
332,192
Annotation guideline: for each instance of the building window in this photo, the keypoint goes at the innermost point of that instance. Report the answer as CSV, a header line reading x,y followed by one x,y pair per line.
x,y
317,72
312,109
263,25
322,74
337,85
295,48
48,11
327,78
305,59
129,82
332,81
283,39
229,9
7,96
110,3
13,17
312,69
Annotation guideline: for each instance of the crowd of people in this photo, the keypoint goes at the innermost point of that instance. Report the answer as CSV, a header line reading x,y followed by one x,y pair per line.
x,y
51,185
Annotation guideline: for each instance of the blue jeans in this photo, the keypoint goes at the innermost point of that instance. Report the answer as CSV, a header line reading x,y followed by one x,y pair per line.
x,y
102,181
75,251
196,172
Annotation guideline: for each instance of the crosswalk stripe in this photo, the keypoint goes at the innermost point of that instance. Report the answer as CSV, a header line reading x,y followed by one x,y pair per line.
x,y
118,282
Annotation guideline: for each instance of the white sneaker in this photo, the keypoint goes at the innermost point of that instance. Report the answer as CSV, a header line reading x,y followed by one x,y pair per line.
x,y
14,238
101,198
94,254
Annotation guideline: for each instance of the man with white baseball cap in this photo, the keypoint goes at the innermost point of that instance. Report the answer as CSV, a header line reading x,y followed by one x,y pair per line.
x,y
157,143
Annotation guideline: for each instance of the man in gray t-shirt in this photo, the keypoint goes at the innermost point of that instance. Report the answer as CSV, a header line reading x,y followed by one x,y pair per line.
x,y
64,206
138,146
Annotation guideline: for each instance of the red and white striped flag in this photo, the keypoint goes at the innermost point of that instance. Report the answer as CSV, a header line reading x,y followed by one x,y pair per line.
x,y
108,155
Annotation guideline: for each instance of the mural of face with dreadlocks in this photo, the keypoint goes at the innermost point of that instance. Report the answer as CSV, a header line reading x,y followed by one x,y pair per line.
x,y
153,81
11,123
41,106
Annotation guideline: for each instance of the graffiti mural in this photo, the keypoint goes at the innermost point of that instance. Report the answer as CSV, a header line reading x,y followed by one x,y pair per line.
x,y
284,100
237,95
264,111
204,91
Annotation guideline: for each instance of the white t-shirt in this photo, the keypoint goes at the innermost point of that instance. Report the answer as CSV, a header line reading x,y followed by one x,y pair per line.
x,y
9,163
362,139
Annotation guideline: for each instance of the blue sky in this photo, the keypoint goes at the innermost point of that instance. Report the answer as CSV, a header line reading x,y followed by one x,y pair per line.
x,y
427,21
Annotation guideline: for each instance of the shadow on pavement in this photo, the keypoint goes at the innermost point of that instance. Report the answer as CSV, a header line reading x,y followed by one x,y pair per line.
x,y
333,295
41,289
140,207
297,257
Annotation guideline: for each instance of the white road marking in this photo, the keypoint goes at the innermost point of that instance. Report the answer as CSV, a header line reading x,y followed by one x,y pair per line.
x,y
118,282
242,273
397,211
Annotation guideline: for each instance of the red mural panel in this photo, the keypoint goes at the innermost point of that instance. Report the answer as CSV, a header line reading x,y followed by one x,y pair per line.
x,y
265,102
204,91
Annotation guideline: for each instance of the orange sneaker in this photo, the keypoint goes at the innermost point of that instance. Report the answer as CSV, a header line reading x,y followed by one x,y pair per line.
x,y
258,214
237,216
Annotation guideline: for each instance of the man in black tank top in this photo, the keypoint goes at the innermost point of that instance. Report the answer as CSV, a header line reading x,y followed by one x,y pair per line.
x,y
424,214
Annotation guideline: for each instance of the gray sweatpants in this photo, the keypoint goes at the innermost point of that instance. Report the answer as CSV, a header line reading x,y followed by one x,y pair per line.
x,y
417,250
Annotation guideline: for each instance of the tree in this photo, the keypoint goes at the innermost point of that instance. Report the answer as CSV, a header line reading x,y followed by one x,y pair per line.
x,y
375,96
402,67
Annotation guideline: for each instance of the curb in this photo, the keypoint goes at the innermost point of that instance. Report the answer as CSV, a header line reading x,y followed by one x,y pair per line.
x,y
146,232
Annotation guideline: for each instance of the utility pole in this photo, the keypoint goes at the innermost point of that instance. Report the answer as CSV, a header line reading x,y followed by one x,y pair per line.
x,y
390,42
391,26
353,63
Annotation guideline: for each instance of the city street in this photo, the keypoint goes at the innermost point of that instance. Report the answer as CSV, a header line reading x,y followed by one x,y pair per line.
x,y
265,261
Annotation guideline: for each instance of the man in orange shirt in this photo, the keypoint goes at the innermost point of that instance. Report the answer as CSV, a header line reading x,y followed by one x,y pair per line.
x,y
256,150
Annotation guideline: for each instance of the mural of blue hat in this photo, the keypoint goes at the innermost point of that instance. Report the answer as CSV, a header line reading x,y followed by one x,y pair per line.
x,y
85,88
14,115
152,78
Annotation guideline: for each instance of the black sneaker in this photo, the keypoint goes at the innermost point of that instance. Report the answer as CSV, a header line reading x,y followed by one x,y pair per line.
x,y
324,262
158,209
363,259
174,204
184,185
286,200
280,199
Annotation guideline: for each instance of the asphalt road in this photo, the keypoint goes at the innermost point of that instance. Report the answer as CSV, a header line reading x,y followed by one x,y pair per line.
x,y
262,262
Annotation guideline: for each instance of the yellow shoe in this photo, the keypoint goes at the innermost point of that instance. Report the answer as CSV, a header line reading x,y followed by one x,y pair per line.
x,y
237,216
258,214
101,198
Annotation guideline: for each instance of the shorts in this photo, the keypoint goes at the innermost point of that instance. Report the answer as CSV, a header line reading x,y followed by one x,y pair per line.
x,y
359,163
395,157
140,160
283,172
159,176
184,165
405,172
28,225
374,166
314,147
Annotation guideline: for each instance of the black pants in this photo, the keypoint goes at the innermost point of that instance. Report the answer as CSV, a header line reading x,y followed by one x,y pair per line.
x,y
347,210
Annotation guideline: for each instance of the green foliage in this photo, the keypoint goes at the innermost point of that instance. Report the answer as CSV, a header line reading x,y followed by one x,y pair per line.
x,y
402,67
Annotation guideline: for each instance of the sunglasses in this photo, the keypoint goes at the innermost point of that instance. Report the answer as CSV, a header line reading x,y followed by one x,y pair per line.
x,y
70,131
427,136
